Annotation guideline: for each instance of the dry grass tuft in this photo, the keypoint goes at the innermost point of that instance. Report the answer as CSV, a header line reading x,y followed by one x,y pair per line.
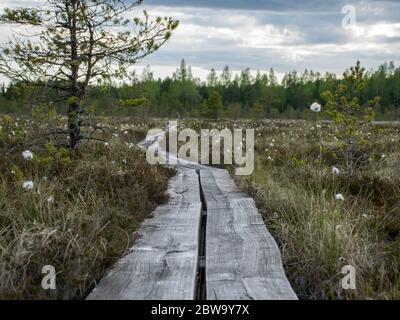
x,y
101,194
318,235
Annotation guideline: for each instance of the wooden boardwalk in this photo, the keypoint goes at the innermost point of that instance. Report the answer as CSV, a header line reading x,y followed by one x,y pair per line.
x,y
208,243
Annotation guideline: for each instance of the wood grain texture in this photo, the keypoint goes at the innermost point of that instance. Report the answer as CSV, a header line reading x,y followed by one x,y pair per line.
x,y
163,262
243,260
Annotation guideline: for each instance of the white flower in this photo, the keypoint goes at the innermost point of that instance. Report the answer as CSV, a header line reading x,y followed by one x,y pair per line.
x,y
28,155
45,178
28,185
106,144
335,171
383,156
316,107
13,172
270,159
339,197
50,200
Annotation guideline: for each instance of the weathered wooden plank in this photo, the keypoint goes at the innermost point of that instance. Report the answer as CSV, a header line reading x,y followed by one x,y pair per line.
x,y
219,188
243,260
163,262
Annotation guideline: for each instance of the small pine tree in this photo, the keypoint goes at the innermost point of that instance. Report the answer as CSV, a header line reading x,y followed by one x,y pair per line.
x,y
78,44
351,117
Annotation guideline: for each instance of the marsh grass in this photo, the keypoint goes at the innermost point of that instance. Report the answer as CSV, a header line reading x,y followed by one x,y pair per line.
x,y
101,194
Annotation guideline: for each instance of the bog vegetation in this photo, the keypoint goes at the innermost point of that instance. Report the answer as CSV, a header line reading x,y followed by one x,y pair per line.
x,y
76,211
323,217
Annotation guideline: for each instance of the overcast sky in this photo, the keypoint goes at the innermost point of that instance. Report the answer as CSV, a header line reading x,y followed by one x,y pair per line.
x,y
260,34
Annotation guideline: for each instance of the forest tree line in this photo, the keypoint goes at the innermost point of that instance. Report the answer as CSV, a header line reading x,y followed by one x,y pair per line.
x,y
222,95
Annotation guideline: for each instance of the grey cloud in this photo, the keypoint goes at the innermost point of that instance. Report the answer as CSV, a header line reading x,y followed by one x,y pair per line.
x,y
316,23
274,5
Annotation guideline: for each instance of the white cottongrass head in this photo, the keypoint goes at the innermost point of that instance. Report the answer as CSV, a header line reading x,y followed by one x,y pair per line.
x,y
335,171
339,197
28,185
27,155
315,107
50,200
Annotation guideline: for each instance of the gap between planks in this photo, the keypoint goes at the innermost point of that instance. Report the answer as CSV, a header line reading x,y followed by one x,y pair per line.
x,y
201,290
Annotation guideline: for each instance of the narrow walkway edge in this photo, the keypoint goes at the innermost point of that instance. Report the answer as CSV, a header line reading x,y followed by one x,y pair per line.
x,y
163,263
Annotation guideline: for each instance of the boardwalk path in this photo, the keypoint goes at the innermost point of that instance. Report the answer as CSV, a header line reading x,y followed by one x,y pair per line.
x,y
209,242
